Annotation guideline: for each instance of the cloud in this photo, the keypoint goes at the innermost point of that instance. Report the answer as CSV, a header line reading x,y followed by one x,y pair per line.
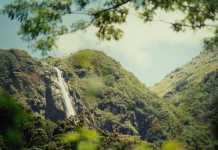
x,y
144,48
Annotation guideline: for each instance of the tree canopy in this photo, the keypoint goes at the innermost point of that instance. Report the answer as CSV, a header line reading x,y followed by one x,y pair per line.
x,y
42,21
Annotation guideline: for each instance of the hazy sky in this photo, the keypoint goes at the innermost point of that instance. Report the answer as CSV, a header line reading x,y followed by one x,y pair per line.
x,y
150,51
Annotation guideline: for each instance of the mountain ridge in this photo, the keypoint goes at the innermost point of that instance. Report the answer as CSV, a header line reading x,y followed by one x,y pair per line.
x,y
112,100
192,89
193,71
105,95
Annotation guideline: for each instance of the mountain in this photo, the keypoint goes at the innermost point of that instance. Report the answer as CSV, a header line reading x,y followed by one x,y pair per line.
x,y
90,90
193,90
103,94
188,75
22,77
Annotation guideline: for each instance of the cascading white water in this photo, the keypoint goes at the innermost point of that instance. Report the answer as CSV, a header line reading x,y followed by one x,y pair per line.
x,y
69,109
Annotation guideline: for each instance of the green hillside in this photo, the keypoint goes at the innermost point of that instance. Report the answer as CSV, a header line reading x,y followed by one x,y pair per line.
x,y
188,75
118,102
114,110
193,90
106,96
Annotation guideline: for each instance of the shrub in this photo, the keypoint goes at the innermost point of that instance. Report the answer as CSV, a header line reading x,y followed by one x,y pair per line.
x,y
84,139
172,145
12,118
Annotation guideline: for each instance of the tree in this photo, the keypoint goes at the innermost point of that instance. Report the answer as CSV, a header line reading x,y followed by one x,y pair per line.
x,y
12,118
42,20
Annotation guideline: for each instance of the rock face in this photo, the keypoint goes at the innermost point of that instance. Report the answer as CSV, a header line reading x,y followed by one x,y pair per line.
x,y
101,92
22,76
33,83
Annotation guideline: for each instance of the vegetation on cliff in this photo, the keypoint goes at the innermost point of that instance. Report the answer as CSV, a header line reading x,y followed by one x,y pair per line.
x,y
114,110
21,129
192,89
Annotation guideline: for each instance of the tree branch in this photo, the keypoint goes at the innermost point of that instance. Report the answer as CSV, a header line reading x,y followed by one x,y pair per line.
x,y
110,8
100,11
187,25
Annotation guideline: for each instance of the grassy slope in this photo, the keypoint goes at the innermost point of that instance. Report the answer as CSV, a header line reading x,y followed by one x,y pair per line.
x,y
188,75
192,89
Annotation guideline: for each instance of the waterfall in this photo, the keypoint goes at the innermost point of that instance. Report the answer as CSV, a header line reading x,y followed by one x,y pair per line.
x,y
69,109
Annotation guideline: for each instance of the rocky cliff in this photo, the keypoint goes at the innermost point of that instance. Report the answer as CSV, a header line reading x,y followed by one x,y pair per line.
x,y
91,88
102,93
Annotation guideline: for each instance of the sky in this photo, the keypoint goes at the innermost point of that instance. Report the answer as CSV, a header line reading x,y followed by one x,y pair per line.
x,y
150,51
